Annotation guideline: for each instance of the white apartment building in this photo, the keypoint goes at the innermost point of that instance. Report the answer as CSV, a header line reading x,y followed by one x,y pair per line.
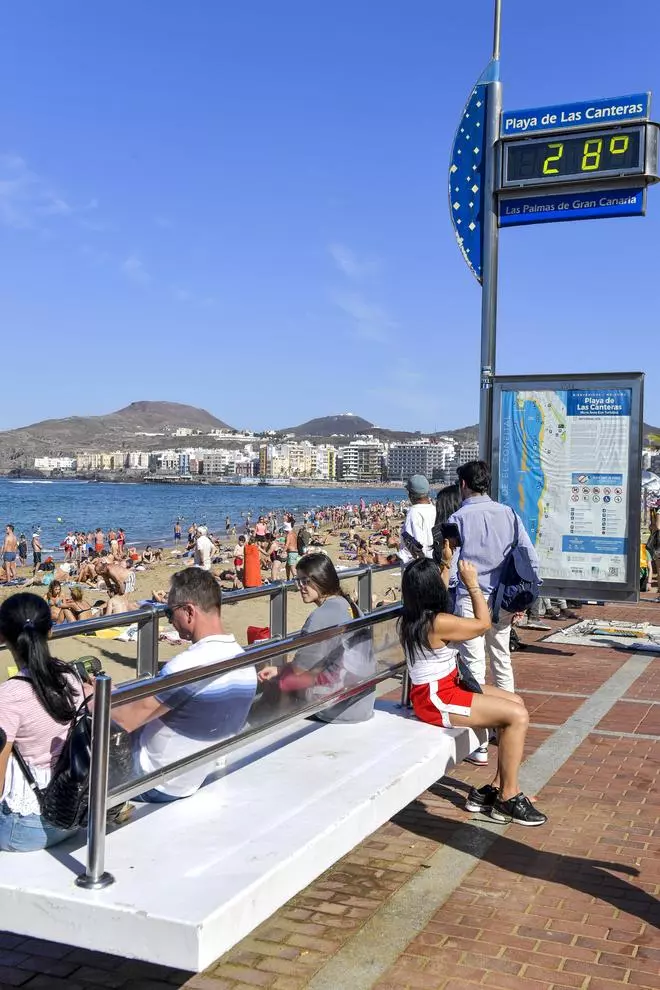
x,y
418,457
467,452
137,460
223,462
55,463
363,460
326,462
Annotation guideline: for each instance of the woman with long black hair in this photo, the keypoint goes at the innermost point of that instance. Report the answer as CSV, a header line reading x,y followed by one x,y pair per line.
x,y
429,632
36,710
345,660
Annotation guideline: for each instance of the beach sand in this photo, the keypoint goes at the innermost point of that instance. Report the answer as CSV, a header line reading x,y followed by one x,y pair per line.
x,y
119,658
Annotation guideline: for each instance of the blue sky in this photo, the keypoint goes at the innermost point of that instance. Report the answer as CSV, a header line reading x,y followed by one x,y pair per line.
x,y
243,206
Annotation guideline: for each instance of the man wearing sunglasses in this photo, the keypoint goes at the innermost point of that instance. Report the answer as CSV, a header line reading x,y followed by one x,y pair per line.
x,y
180,721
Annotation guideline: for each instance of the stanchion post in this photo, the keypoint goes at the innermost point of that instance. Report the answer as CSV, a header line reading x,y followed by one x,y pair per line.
x,y
278,617
364,591
95,876
147,646
405,689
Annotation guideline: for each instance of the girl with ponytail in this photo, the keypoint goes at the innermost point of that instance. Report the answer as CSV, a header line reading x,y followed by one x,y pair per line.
x,y
36,709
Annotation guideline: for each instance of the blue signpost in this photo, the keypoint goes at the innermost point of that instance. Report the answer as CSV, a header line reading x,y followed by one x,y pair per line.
x,y
574,161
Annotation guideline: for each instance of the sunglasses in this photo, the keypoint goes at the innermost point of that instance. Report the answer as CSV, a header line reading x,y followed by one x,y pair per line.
x,y
171,609
303,582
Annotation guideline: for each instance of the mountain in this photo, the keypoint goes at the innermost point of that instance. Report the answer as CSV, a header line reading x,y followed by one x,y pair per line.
x,y
345,424
18,448
350,425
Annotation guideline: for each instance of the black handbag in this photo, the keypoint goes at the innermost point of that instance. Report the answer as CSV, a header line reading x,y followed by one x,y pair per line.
x,y
466,678
63,801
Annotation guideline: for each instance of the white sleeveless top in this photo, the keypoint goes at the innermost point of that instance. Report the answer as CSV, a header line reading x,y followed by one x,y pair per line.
x,y
432,665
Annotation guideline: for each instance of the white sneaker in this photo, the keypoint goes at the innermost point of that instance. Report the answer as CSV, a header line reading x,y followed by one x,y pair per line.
x,y
479,757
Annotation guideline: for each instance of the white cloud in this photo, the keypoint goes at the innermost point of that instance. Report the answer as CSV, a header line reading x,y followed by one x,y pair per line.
x,y
370,321
134,270
27,199
350,265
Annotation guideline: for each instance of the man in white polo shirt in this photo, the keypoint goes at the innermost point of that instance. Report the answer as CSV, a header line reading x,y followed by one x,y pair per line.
x,y
179,721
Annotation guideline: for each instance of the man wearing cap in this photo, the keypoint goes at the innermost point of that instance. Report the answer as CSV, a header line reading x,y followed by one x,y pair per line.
x,y
203,549
417,530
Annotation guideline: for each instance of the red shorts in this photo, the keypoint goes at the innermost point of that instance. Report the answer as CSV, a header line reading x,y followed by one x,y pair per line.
x,y
435,702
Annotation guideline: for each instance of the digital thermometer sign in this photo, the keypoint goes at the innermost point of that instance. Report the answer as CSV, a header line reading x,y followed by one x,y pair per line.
x,y
574,157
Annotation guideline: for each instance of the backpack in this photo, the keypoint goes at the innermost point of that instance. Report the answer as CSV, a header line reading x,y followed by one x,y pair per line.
x,y
519,583
63,801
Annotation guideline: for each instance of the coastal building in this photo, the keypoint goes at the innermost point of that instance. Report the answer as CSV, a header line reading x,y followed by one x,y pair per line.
x,y
362,460
326,462
137,460
298,459
100,460
467,452
419,457
225,462
55,463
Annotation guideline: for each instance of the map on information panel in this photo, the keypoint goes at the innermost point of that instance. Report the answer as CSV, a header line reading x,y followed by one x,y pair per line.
x,y
564,469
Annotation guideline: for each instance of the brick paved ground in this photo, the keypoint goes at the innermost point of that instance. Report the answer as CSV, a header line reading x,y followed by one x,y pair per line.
x,y
574,904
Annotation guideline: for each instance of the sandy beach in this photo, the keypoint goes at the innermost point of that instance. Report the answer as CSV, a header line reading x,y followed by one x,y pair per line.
x,y
119,658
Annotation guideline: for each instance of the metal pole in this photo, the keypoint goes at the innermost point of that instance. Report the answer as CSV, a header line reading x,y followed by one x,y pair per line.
x,y
490,252
405,689
147,646
278,616
364,591
95,876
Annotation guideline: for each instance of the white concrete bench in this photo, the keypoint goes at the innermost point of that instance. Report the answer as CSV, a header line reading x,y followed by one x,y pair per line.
x,y
195,876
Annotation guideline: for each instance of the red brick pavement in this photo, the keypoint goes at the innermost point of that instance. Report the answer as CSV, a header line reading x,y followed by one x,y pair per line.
x,y
568,905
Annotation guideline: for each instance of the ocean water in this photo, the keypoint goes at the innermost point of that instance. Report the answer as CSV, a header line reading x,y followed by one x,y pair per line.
x,y
147,512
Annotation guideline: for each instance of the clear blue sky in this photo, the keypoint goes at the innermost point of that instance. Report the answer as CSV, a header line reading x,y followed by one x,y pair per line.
x,y
243,205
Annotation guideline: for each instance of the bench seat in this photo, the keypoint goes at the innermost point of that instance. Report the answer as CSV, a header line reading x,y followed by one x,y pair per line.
x,y
194,877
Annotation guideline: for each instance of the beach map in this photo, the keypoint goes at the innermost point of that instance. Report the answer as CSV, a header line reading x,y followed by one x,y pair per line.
x,y
564,469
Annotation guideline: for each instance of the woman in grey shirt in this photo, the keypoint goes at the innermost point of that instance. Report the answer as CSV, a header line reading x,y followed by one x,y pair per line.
x,y
343,661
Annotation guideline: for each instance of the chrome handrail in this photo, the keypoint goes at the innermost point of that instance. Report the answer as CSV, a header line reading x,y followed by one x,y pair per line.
x,y
147,617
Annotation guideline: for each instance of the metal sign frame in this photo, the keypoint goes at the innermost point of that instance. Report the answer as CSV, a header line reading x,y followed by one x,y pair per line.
x,y
624,591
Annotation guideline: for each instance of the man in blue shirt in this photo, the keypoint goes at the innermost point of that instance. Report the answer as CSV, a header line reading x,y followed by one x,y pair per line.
x,y
486,530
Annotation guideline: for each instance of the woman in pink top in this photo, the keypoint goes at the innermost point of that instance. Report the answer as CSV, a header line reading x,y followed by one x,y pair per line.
x,y
36,709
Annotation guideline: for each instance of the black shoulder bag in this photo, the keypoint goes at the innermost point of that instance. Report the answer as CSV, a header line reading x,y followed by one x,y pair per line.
x,y
63,801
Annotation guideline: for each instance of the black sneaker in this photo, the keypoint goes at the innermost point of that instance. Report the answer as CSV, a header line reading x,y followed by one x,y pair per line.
x,y
518,809
481,798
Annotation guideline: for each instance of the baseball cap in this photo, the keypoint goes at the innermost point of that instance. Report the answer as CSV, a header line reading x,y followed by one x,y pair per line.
x,y
202,530
418,485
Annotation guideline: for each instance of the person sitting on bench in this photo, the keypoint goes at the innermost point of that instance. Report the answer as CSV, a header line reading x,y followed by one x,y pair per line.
x,y
179,721
429,635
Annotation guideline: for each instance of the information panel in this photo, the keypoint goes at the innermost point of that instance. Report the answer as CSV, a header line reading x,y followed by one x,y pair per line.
x,y
567,458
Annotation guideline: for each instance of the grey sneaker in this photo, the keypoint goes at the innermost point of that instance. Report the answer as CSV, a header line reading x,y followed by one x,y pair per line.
x,y
518,809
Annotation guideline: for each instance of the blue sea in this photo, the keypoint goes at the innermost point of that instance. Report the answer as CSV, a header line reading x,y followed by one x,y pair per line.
x,y
147,512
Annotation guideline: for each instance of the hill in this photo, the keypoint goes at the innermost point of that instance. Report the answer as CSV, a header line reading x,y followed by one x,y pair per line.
x,y
345,424
19,447
349,425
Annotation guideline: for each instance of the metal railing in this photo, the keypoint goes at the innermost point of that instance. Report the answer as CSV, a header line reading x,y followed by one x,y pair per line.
x,y
148,617
106,700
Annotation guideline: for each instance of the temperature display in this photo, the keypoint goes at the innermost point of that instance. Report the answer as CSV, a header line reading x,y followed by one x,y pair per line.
x,y
593,154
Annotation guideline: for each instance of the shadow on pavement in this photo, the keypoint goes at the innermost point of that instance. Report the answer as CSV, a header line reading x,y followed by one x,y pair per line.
x,y
596,878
